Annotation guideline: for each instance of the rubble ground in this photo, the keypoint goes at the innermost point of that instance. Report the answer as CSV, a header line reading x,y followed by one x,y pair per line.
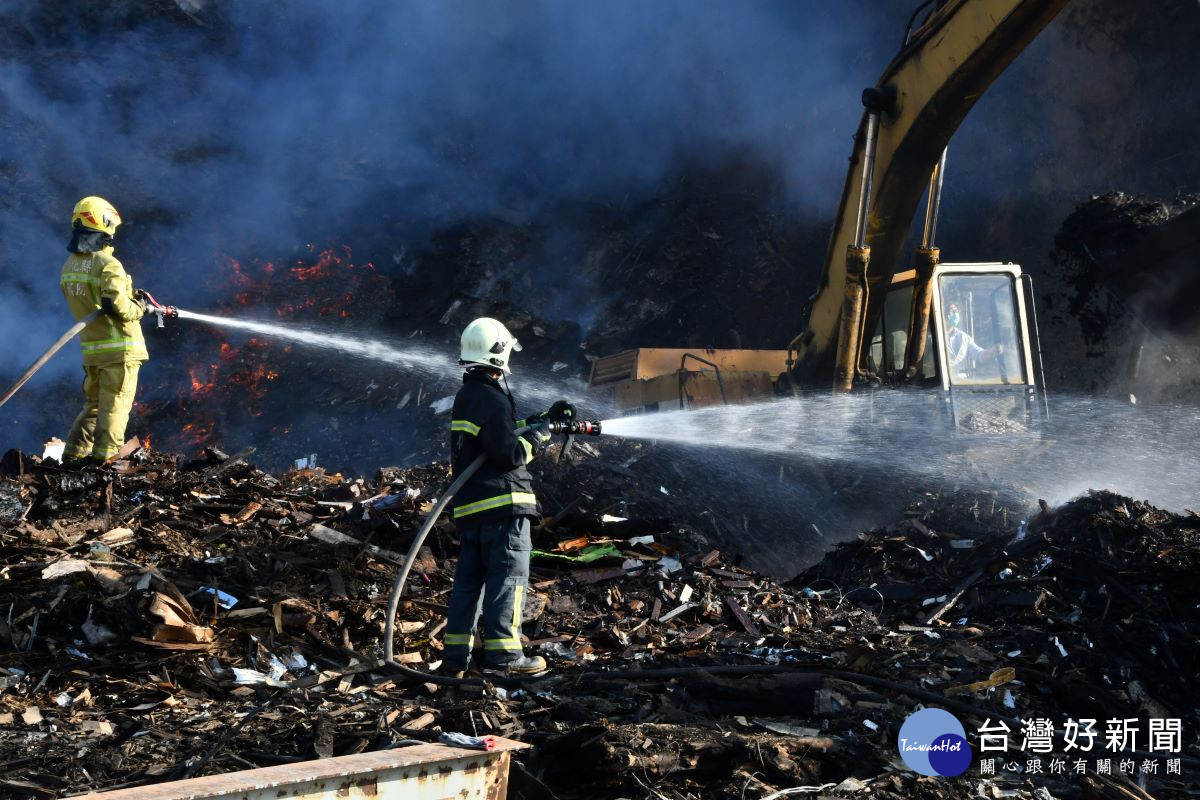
x,y
167,619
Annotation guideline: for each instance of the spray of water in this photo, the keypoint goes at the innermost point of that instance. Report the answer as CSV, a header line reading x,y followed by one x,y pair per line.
x,y
414,358
423,360
1091,443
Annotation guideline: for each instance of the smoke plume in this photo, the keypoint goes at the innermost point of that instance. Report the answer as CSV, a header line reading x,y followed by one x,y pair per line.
x,y
255,129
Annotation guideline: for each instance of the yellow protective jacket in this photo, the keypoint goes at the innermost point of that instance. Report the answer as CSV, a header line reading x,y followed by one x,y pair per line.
x,y
87,278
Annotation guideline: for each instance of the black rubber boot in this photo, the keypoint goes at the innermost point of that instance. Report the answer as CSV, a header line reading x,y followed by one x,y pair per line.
x,y
452,670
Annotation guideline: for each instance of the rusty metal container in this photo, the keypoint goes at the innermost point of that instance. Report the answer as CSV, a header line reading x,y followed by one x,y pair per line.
x,y
652,378
419,772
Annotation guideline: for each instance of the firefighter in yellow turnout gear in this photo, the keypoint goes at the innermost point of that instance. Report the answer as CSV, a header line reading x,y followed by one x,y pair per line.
x,y
113,347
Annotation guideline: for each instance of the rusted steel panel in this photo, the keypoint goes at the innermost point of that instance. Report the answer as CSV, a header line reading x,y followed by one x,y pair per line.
x,y
649,362
419,772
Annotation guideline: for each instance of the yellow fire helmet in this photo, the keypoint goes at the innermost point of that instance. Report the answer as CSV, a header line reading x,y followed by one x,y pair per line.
x,y
96,214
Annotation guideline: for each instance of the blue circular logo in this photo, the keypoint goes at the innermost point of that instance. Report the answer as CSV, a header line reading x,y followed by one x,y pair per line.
x,y
933,742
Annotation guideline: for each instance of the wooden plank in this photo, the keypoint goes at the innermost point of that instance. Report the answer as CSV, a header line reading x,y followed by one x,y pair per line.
x,y
742,617
330,536
597,574
954,598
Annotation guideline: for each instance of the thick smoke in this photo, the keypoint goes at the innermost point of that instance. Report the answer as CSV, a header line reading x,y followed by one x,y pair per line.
x,y
1097,103
273,125
251,129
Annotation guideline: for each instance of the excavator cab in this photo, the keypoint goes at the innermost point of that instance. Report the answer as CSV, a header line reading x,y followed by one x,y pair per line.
x,y
978,355
979,349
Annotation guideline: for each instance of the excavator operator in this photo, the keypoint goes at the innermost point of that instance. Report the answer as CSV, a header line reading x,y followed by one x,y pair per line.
x,y
962,351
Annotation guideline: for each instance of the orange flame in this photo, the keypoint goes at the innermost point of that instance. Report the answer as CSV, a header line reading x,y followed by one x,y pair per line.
x,y
241,378
200,386
199,432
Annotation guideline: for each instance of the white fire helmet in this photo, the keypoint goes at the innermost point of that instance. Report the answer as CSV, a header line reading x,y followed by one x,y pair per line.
x,y
486,341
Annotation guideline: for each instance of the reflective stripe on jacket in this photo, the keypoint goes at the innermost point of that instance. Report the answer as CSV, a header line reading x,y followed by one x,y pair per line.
x,y
85,279
483,421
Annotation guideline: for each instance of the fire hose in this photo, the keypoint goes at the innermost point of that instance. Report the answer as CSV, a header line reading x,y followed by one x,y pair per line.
x,y
580,427
157,308
71,333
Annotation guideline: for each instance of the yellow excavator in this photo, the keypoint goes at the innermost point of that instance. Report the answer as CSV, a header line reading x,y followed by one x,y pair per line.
x,y
966,330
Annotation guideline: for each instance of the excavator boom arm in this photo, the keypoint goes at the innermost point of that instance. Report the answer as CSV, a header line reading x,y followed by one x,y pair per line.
x,y
930,85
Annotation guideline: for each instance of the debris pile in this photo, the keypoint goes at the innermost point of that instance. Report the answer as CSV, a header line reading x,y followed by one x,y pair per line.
x,y
1127,270
1087,602
171,619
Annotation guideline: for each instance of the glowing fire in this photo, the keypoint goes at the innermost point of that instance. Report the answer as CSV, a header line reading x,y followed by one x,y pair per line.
x,y
327,265
331,283
227,380
198,433
202,387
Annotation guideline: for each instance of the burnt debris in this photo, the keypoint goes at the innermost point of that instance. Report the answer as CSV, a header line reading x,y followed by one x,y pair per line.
x,y
166,618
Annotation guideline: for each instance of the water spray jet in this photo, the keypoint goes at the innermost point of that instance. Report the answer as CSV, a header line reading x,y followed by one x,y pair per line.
x,y
372,349
1091,443
427,361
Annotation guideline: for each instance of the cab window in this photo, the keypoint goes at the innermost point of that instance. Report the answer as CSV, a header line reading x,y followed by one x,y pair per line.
x,y
981,328
889,344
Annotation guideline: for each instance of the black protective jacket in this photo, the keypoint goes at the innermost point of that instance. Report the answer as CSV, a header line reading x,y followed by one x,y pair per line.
x,y
484,421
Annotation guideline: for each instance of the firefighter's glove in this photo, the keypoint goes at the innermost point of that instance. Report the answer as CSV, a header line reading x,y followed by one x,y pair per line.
x,y
537,435
561,411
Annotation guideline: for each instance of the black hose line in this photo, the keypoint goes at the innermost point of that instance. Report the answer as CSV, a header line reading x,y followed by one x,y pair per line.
x,y
389,631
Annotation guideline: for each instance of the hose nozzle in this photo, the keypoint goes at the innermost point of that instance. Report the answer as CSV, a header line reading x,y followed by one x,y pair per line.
x,y
580,427
158,309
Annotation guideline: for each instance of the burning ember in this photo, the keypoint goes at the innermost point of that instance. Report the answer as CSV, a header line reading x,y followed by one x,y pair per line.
x,y
223,381
198,433
328,286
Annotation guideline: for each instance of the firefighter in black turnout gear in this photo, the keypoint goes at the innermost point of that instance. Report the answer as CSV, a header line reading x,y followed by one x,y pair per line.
x,y
493,509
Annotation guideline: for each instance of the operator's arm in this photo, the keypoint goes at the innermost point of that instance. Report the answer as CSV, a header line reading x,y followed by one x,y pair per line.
x,y
972,345
116,293
505,450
